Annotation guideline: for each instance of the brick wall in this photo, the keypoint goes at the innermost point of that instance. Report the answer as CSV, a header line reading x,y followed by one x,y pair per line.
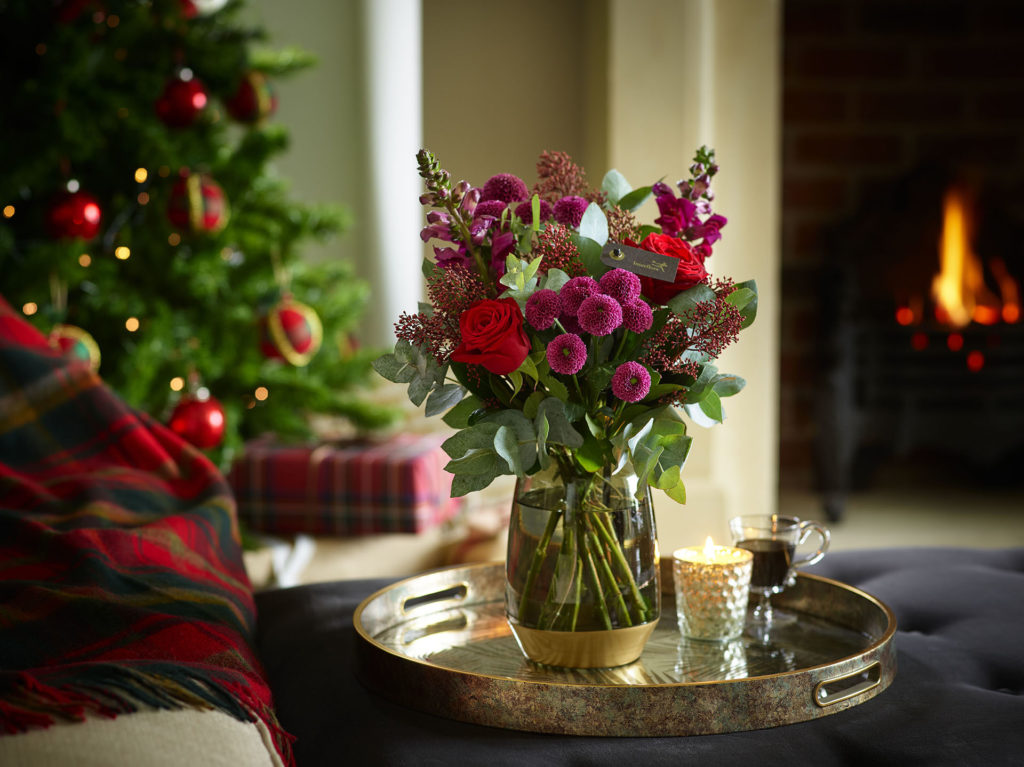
x,y
872,89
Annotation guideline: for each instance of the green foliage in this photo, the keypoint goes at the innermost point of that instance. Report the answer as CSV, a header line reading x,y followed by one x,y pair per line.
x,y
80,83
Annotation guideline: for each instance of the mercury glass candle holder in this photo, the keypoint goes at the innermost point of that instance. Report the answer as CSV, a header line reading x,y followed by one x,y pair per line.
x,y
712,584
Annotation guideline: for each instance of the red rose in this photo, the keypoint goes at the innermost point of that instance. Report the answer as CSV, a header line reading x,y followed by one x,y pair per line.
x,y
493,336
689,272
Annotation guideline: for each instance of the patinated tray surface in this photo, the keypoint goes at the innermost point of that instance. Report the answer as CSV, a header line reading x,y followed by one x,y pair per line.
x,y
439,642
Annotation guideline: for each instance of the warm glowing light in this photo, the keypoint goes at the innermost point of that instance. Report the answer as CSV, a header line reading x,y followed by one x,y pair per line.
x,y
85,259
261,393
173,238
959,287
1009,290
904,315
955,342
143,198
132,324
113,20
73,185
30,308
709,548
141,174
8,211
91,212
975,361
985,315
185,74
177,383
919,341
199,100
216,418
122,252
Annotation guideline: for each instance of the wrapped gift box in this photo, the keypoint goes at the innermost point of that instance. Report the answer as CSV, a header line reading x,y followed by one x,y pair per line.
x,y
397,485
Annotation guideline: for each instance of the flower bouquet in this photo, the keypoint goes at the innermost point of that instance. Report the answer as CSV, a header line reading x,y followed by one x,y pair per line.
x,y
564,341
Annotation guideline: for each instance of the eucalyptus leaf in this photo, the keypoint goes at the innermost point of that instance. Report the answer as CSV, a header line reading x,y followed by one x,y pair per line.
x,y
635,199
419,388
532,404
697,415
478,461
727,385
535,213
442,398
590,455
711,406
590,256
555,387
685,302
542,440
749,311
561,430
615,186
458,416
677,492
464,484
393,369
506,445
594,224
475,437
555,279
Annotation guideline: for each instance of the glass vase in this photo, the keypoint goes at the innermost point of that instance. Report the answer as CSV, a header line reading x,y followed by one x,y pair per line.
x,y
582,578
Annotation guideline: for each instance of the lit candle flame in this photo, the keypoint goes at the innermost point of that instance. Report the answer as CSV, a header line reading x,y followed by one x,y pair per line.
x,y
709,548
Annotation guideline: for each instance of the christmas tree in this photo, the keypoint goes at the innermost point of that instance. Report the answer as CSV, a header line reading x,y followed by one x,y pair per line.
x,y
141,225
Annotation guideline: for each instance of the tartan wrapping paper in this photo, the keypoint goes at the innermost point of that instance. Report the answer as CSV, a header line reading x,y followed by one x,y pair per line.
x,y
357,488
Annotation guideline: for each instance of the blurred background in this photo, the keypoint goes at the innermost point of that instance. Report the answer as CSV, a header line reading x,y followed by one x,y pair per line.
x,y
841,126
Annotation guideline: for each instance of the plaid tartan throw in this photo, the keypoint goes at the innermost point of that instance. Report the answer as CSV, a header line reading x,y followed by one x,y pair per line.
x,y
121,576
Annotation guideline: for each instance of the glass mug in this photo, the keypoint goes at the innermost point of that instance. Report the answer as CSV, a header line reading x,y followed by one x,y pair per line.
x,y
773,540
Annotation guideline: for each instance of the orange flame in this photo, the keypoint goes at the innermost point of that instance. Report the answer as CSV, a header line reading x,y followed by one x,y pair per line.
x,y
959,287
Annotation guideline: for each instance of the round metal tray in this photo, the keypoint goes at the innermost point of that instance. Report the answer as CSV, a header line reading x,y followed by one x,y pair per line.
x,y
439,642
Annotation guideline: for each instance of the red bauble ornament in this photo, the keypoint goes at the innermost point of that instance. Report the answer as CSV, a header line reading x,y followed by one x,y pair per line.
x,y
74,214
199,421
253,99
197,204
76,344
291,331
181,102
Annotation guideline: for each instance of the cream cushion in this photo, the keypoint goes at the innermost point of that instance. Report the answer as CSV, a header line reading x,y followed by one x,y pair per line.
x,y
144,739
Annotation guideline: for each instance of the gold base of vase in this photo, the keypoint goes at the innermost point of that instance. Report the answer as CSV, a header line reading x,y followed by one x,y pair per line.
x,y
583,649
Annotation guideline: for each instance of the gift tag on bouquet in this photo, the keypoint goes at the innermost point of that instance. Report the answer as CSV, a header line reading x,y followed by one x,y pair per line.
x,y
642,262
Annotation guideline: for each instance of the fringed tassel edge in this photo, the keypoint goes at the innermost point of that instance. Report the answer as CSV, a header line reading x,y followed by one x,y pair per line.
x,y
26,702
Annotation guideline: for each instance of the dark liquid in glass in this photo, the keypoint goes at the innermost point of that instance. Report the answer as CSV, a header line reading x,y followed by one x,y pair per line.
x,y
771,562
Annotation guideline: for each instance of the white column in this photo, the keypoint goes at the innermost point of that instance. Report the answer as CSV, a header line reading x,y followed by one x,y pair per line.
x,y
391,250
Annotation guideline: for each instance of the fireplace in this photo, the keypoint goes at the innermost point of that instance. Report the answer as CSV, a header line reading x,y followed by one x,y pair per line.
x,y
889,108
922,342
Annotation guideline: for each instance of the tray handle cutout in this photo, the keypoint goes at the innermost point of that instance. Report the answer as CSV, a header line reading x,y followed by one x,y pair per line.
x,y
832,691
454,593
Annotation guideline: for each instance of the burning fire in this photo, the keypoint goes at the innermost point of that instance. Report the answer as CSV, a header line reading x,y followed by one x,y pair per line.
x,y
959,289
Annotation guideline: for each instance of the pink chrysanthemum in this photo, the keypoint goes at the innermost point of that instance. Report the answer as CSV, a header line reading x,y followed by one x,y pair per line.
x,y
525,211
504,187
567,354
569,211
542,309
631,382
599,315
490,208
621,285
637,316
575,292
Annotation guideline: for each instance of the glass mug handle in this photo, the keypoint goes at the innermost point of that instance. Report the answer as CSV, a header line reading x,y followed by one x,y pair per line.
x,y
806,528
